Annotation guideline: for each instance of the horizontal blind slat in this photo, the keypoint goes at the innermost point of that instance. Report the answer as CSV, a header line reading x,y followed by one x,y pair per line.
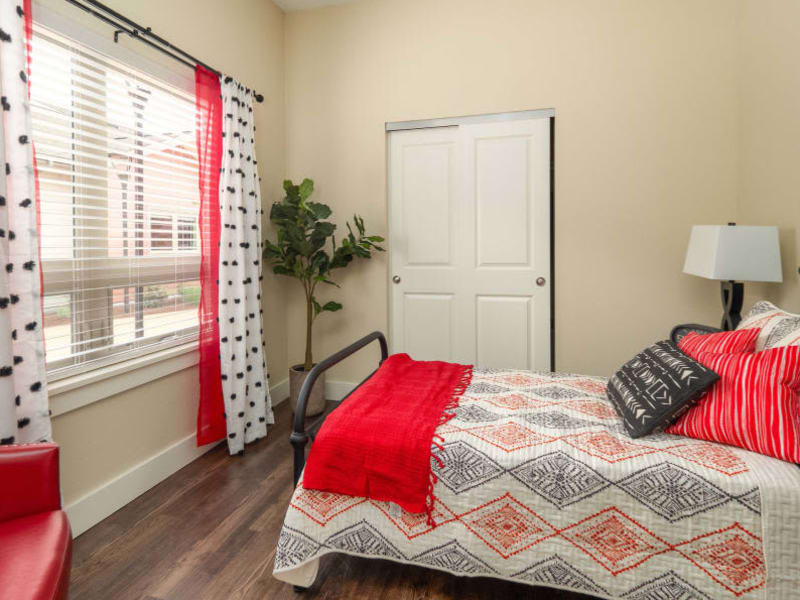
x,y
100,154
151,145
114,352
180,323
113,141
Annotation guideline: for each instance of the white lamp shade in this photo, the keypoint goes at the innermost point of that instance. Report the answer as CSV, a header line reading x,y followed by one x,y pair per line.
x,y
734,253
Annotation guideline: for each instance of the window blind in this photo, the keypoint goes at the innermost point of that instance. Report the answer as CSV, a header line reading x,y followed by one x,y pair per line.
x,y
118,179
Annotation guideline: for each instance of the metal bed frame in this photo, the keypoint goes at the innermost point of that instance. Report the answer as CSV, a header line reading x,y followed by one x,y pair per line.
x,y
301,433
679,331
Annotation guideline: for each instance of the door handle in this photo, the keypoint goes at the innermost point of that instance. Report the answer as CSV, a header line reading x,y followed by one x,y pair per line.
x,y
540,281
396,279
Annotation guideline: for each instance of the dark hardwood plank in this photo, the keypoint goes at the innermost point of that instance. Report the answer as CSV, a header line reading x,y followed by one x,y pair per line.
x,y
209,532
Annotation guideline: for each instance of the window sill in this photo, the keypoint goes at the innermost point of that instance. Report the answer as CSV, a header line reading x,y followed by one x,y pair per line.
x,y
72,393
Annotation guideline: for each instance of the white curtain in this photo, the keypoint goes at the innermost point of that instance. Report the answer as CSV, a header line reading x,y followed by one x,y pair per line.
x,y
24,414
248,407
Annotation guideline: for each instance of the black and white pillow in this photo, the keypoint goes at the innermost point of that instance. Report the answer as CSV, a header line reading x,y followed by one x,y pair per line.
x,y
778,327
655,387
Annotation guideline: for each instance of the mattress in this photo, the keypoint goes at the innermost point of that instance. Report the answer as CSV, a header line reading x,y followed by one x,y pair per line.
x,y
540,484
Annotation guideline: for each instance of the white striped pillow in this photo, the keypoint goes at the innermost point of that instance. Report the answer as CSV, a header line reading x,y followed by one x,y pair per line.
x,y
778,327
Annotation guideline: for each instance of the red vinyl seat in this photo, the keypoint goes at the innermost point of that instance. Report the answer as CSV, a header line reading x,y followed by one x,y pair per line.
x,y
35,538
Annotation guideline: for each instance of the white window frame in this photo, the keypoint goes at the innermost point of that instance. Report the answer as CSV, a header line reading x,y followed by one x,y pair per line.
x,y
163,218
195,247
175,222
181,349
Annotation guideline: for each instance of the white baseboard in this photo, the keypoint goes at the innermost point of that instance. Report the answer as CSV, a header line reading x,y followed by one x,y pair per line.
x,y
279,392
116,493
112,495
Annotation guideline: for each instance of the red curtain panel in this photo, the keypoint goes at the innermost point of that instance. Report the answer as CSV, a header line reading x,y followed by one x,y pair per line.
x,y
211,411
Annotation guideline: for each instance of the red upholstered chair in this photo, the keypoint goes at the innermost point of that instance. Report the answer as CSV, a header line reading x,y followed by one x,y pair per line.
x,y
35,539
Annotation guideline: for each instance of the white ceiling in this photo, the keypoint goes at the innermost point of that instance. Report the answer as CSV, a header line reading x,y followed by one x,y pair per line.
x,y
293,5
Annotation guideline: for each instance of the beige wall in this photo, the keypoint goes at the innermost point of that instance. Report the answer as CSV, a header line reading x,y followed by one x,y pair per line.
x,y
109,437
245,39
769,180
645,93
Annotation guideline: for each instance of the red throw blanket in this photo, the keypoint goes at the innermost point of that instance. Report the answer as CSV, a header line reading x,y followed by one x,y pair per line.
x,y
377,444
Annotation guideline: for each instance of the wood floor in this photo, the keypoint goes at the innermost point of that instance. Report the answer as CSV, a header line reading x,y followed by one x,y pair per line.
x,y
209,532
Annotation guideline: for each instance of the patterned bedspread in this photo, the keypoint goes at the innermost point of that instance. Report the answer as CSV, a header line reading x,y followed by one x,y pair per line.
x,y
541,485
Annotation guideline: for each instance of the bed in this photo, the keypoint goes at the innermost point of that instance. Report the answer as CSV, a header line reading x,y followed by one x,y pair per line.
x,y
542,486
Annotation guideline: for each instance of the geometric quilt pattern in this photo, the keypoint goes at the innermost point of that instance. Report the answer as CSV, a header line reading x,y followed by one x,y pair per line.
x,y
507,526
615,540
672,491
556,572
363,538
538,482
733,557
322,506
463,467
559,479
669,586
453,558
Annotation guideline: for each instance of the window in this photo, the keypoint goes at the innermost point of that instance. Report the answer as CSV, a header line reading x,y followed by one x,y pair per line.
x,y
172,233
187,236
118,176
161,233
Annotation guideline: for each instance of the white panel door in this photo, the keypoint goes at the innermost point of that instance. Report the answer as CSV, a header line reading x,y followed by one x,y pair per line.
x,y
423,221
469,223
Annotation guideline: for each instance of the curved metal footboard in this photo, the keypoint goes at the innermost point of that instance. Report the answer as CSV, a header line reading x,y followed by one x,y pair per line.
x,y
300,433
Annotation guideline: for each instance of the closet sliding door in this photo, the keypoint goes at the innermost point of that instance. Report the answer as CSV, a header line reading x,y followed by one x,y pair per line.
x,y
469,223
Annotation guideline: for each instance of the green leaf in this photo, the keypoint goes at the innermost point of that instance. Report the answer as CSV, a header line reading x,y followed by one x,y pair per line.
x,y
292,192
282,212
306,188
321,211
317,308
320,261
331,306
324,228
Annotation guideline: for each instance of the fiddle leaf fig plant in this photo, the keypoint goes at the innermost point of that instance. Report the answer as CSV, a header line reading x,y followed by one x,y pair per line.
x,y
302,249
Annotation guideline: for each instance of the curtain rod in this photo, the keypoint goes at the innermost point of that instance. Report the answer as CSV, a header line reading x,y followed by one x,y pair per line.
x,y
123,24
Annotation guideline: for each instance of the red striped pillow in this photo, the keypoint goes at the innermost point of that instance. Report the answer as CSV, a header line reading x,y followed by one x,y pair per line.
x,y
724,342
754,405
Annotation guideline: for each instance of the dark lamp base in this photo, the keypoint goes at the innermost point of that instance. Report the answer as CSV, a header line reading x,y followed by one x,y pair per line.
x,y
732,297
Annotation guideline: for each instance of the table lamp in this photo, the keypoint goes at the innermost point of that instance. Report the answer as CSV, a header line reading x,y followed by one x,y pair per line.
x,y
733,254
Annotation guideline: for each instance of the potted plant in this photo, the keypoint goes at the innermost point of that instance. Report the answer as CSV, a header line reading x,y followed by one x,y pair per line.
x,y
301,251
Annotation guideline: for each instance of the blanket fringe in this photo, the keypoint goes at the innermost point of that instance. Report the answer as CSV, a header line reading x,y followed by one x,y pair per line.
x,y
447,413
